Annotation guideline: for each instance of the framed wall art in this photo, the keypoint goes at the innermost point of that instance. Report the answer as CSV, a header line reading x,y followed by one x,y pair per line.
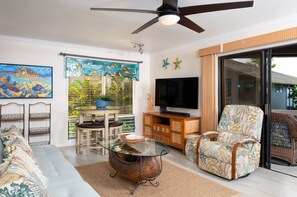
x,y
25,81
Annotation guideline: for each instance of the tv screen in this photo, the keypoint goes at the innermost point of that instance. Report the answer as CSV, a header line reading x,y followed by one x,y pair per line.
x,y
177,92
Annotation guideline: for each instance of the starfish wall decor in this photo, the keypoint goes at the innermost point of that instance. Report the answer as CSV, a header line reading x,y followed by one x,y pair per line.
x,y
177,63
165,63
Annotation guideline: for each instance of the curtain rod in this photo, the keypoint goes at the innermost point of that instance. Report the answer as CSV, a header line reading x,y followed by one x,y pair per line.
x,y
100,58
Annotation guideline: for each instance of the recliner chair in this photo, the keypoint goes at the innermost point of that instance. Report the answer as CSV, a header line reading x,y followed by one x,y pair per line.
x,y
236,149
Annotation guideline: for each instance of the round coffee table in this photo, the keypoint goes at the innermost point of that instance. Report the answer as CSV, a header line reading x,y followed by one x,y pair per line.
x,y
137,160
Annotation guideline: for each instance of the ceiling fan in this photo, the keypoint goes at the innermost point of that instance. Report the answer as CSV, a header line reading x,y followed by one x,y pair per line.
x,y
169,13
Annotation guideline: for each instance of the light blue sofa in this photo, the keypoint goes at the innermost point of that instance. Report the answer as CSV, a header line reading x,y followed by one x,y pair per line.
x,y
37,171
63,179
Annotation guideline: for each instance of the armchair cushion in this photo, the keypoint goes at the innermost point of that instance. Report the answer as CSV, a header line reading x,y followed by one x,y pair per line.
x,y
243,120
231,138
223,152
280,134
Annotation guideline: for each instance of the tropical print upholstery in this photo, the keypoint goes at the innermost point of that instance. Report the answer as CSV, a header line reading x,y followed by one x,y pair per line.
x,y
239,129
20,174
191,147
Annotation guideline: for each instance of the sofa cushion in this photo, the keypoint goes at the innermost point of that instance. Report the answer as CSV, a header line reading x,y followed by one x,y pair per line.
x,y
54,166
63,179
74,189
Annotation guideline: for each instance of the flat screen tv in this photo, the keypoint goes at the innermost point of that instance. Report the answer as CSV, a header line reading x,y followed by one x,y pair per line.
x,y
177,92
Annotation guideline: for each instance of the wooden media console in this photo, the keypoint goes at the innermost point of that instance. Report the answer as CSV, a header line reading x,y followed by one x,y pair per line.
x,y
170,129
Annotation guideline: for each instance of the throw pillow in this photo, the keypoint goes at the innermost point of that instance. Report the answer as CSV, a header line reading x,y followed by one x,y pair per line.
x,y
20,159
21,143
10,134
18,184
1,146
280,135
13,184
4,166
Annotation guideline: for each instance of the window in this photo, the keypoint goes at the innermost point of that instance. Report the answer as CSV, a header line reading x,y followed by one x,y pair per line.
x,y
240,80
278,89
83,90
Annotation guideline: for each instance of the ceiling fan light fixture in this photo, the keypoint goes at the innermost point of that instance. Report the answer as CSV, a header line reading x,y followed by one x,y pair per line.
x,y
169,19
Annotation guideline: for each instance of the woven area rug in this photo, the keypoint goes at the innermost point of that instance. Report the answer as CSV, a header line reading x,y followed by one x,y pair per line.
x,y
174,181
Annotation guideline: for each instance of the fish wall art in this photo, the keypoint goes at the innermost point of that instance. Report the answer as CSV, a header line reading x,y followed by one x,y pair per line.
x,y
25,81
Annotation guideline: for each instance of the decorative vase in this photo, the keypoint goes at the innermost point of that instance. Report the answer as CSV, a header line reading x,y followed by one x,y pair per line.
x,y
101,104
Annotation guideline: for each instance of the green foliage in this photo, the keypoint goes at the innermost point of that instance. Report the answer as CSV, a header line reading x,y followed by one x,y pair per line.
x,y
81,92
120,89
293,94
104,97
257,62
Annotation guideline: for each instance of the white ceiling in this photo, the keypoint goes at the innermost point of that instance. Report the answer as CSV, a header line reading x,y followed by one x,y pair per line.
x,y
71,21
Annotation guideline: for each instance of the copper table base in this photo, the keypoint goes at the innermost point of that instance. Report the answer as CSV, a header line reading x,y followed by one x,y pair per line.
x,y
141,169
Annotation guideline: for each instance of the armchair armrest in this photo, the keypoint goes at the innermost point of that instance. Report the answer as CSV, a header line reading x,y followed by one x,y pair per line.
x,y
245,141
235,147
205,134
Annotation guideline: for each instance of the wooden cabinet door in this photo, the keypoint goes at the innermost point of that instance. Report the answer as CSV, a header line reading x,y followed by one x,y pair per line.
x,y
147,126
176,134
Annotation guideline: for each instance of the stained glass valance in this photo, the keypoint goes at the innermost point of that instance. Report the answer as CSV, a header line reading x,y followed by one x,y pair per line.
x,y
87,67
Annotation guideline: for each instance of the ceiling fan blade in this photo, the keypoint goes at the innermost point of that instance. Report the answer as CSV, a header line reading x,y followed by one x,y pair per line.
x,y
146,25
125,10
190,24
214,7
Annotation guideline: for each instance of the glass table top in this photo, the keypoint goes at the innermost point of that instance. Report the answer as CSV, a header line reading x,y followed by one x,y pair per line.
x,y
143,147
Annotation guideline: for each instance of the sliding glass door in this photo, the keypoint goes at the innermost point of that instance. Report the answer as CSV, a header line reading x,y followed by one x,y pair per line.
x,y
245,80
284,110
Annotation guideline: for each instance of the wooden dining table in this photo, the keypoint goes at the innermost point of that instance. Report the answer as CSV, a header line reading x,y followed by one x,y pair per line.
x,y
93,111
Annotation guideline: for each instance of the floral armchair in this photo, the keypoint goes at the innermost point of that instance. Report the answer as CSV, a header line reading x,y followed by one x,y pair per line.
x,y
236,149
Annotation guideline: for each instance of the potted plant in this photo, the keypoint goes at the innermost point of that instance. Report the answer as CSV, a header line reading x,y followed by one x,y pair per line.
x,y
102,101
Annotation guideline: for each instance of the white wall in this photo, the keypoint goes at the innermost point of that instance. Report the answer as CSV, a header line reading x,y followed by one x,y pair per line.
x,y
189,67
32,52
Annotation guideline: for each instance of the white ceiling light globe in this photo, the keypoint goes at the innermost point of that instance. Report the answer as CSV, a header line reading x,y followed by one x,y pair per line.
x,y
169,19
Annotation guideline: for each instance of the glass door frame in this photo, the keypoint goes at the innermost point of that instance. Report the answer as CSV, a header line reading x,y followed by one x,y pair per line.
x,y
265,97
